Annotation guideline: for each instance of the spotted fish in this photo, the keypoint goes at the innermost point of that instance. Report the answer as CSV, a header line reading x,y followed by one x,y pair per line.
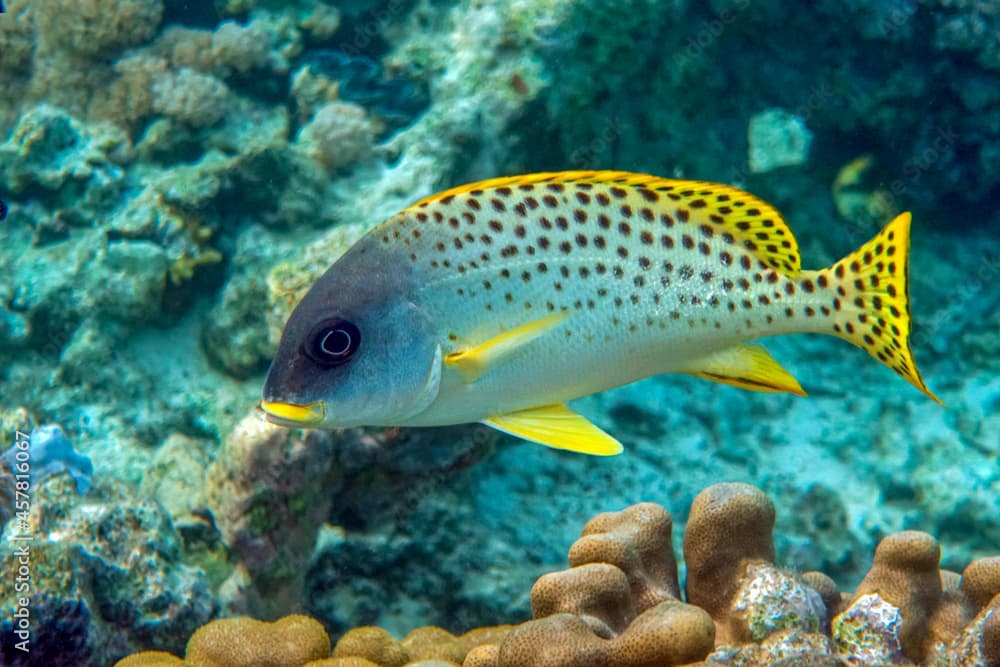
x,y
500,301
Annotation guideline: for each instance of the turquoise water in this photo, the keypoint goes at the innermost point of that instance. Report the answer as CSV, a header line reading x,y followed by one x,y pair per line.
x,y
175,174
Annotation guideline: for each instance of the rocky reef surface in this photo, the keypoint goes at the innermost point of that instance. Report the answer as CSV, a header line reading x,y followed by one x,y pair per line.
x,y
176,174
619,605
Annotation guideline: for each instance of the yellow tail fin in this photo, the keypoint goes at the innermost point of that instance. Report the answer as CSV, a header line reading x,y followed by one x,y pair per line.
x,y
873,299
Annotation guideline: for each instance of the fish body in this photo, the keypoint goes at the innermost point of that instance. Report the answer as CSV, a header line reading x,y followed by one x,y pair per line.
x,y
500,301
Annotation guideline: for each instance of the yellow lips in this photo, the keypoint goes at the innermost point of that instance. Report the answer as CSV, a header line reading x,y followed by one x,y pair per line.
x,y
286,414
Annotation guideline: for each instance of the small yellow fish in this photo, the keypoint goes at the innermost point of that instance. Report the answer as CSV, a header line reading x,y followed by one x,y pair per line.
x,y
499,301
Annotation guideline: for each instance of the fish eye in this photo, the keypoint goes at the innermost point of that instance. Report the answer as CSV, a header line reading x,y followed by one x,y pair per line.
x,y
332,342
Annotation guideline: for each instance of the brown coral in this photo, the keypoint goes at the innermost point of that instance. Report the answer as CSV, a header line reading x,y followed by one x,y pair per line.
x,y
290,641
596,592
729,528
244,642
339,135
905,574
638,541
371,643
671,633
95,27
430,645
617,606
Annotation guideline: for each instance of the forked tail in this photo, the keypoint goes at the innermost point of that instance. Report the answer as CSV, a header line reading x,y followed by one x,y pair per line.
x,y
873,298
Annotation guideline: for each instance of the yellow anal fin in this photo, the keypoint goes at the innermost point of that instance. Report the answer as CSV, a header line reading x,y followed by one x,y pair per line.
x,y
873,289
746,367
559,427
475,360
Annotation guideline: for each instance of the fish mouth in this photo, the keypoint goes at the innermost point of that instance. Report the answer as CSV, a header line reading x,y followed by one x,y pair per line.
x,y
292,414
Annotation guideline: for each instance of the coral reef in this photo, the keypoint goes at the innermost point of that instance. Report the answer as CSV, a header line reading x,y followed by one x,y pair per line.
x,y
269,490
105,579
618,605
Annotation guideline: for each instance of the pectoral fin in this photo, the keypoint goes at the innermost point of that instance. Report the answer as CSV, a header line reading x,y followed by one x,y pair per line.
x,y
746,367
474,361
559,427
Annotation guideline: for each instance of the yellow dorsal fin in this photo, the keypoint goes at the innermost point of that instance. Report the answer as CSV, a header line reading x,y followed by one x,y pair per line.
x,y
559,427
875,315
753,223
474,361
746,367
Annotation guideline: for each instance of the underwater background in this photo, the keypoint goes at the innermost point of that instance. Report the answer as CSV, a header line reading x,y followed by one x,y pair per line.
x,y
175,174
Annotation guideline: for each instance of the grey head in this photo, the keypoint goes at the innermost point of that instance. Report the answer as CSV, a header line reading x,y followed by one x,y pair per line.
x,y
356,350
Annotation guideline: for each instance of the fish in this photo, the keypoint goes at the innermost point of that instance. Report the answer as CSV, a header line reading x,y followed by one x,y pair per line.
x,y
500,301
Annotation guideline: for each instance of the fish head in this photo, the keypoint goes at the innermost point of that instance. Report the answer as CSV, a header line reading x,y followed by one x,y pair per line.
x,y
356,351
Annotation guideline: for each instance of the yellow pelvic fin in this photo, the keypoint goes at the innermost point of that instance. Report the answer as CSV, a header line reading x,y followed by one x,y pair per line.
x,y
708,208
474,361
873,294
746,367
559,427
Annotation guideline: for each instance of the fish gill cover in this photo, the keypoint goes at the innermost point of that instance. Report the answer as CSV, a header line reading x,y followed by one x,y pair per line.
x,y
178,174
